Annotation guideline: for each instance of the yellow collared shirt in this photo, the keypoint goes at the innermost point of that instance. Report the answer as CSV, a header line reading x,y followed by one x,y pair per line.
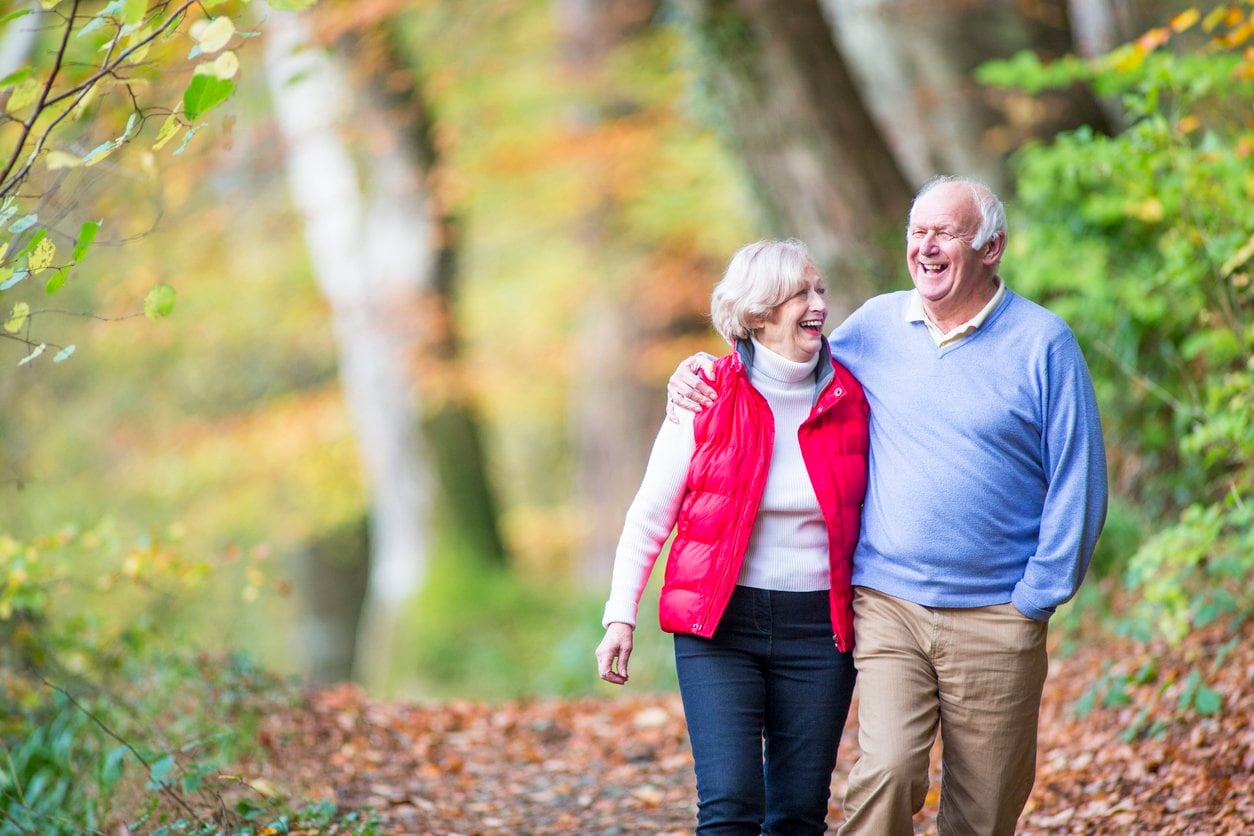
x,y
916,313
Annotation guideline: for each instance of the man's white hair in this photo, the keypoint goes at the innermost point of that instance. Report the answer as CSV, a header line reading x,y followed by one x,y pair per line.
x,y
992,212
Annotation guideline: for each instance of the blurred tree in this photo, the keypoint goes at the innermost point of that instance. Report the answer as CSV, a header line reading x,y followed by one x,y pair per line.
x,y
371,243
383,244
825,172
915,61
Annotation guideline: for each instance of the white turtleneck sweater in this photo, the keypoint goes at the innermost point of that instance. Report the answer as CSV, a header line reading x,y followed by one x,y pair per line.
x,y
788,548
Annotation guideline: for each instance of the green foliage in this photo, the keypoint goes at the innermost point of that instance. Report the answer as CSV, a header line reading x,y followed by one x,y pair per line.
x,y
106,721
1142,241
486,631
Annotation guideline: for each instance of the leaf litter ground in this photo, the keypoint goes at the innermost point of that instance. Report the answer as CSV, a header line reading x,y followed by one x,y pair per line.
x,y
621,764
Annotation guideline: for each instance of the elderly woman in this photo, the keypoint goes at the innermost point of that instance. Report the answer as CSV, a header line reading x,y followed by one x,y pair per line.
x,y
766,486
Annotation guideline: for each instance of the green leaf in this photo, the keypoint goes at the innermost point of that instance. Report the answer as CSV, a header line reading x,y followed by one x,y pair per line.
x,y
204,93
92,25
291,5
35,241
14,279
21,313
160,769
1207,701
187,138
64,354
15,15
15,76
101,151
1190,689
24,223
57,281
86,235
169,128
133,11
159,302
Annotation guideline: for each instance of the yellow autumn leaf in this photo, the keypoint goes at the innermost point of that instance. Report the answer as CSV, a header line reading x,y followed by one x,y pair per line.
x,y
61,159
1214,17
21,312
1239,35
1149,210
25,93
41,256
1188,124
1185,19
216,35
225,65
1128,57
169,128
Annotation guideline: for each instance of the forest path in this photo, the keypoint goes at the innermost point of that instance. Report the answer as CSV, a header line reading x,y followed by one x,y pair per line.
x,y
621,764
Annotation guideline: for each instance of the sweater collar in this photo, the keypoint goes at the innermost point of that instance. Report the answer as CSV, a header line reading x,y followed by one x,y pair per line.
x,y
768,363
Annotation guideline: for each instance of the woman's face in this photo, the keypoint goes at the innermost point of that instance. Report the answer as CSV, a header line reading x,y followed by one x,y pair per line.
x,y
794,328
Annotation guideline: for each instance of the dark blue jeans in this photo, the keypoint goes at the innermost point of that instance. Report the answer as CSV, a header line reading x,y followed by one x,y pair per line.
x,y
766,700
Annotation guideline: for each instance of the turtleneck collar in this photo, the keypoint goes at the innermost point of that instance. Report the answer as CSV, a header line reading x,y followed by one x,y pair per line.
x,y
777,367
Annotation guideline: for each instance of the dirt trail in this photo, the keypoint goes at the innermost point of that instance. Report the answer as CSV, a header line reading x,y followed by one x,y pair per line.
x,y
622,765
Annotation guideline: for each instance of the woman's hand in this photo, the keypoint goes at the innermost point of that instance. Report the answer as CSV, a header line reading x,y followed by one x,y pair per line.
x,y
614,651
686,389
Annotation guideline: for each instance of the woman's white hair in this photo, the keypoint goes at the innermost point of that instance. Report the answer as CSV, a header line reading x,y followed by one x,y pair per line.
x,y
759,277
992,212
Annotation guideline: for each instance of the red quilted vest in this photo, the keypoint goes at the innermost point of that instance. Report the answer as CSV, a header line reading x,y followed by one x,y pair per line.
x,y
734,439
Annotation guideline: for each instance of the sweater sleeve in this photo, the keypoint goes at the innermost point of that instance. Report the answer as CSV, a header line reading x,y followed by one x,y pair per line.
x,y
1075,499
651,517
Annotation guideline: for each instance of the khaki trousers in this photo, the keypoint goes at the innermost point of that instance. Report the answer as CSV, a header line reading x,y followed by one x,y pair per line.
x,y
977,674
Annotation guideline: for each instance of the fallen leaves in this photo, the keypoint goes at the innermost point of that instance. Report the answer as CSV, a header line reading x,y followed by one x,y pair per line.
x,y
622,765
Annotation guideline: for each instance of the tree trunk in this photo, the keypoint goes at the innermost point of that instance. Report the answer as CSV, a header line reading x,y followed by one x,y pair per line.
x,y
465,506
800,123
915,62
609,403
371,242
331,576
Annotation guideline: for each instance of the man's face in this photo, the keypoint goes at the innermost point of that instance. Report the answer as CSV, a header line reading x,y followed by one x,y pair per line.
x,y
944,268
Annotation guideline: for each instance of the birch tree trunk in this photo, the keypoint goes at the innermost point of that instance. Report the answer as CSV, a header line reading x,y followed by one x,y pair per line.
x,y
800,124
370,237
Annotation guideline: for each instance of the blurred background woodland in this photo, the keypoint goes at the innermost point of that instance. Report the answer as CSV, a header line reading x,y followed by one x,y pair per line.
x,y
335,338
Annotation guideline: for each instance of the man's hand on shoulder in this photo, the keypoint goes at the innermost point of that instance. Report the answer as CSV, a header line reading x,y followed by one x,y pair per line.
x,y
686,389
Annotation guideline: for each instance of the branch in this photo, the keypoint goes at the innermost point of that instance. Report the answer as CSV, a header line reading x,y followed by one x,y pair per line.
x,y
43,98
165,788
9,183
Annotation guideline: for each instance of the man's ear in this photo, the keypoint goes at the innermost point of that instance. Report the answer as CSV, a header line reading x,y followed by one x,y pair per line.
x,y
994,249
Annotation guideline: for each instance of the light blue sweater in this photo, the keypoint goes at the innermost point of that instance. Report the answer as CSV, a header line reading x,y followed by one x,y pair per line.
x,y
987,472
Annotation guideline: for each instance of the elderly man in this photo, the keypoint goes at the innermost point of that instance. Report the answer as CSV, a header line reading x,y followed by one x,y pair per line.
x,y
986,493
